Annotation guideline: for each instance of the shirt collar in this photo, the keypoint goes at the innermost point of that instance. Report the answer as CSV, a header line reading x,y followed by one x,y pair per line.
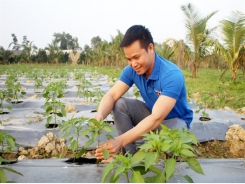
x,y
155,72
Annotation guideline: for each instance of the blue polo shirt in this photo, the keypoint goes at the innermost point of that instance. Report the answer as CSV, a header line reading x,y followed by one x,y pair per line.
x,y
165,79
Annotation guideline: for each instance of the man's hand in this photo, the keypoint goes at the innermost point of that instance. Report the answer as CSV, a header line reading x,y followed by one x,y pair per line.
x,y
113,146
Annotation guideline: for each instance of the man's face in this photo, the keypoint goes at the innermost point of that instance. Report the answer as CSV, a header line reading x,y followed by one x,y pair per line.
x,y
139,59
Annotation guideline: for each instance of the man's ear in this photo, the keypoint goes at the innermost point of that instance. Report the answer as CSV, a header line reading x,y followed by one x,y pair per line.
x,y
151,48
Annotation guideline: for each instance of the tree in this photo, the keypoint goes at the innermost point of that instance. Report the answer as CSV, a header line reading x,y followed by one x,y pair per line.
x,y
66,41
233,36
196,28
95,41
53,52
28,50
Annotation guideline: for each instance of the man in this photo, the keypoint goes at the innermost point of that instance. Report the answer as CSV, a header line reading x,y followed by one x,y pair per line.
x,y
161,85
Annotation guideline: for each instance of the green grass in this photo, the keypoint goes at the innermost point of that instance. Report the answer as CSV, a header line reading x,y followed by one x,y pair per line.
x,y
207,88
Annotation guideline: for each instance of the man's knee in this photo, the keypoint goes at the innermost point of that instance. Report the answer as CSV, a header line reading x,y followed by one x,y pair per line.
x,y
119,104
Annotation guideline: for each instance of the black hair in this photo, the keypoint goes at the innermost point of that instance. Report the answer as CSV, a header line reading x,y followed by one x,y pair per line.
x,y
137,32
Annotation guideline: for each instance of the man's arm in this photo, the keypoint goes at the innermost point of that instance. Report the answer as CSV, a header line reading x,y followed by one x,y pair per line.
x,y
108,100
160,110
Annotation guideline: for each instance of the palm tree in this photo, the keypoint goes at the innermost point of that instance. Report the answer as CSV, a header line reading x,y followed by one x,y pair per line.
x,y
233,36
53,52
196,27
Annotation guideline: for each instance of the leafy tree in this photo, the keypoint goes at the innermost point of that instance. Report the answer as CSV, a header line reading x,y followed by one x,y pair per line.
x,y
196,28
15,42
95,41
53,52
5,55
42,56
28,50
66,41
233,36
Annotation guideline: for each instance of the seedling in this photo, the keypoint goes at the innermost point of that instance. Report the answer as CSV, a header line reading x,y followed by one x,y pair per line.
x,y
202,107
53,106
14,88
158,146
92,132
6,138
38,84
4,95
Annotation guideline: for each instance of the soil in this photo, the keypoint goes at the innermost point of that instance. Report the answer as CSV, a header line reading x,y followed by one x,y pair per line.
x,y
211,149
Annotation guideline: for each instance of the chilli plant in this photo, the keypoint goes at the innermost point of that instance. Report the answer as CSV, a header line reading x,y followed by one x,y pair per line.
x,y
53,106
82,126
157,158
4,96
14,88
5,138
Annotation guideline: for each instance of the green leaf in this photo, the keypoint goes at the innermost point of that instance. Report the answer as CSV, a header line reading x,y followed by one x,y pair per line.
x,y
108,129
9,108
49,119
81,152
194,165
141,169
187,153
11,142
138,156
85,132
154,169
165,146
3,177
89,143
12,170
63,111
194,139
150,158
74,145
59,114
119,170
106,153
106,171
188,179
137,178
170,167
145,147
110,137
159,178
49,109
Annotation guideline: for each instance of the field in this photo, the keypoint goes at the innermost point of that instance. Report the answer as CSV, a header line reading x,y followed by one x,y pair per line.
x,y
207,90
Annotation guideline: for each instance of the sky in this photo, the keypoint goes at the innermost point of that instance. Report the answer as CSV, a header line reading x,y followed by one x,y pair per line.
x,y
85,19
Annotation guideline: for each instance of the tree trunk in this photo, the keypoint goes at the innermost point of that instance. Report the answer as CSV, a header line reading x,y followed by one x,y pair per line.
x,y
180,58
194,73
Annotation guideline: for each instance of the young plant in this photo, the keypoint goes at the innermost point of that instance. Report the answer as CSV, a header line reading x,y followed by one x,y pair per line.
x,y
6,138
4,96
158,146
205,99
72,129
53,106
38,83
14,88
93,132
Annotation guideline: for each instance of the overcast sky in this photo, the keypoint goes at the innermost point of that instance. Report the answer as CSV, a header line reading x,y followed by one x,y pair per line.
x,y
85,19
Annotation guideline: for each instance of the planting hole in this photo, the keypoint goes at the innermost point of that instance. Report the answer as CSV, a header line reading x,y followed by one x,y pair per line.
x,y
16,102
52,125
81,161
4,113
204,119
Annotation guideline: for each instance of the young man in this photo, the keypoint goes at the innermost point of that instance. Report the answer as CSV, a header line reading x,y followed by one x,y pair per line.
x,y
161,85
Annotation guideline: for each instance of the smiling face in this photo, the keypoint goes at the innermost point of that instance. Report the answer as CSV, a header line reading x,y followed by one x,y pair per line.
x,y
139,59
